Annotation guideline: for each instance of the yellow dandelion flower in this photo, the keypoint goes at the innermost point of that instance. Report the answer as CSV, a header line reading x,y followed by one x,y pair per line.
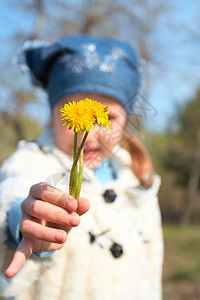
x,y
82,115
77,117
100,112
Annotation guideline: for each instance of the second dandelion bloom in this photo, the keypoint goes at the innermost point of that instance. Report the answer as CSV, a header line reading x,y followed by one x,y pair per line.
x,y
81,117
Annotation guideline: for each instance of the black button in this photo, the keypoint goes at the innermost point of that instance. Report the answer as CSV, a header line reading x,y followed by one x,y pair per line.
x,y
92,237
109,196
116,250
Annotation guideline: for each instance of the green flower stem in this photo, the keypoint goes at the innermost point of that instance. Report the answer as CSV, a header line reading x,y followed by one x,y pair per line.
x,y
76,161
80,176
75,177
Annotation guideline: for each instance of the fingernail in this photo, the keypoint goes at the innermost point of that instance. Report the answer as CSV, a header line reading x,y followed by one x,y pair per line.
x,y
74,219
59,237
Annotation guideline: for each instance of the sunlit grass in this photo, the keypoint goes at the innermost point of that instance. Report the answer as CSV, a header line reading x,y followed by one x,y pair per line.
x,y
182,248
181,272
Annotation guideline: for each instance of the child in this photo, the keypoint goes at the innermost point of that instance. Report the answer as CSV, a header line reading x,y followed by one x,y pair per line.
x,y
116,251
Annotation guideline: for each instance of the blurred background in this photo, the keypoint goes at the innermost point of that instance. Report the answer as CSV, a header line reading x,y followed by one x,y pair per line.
x,y
166,116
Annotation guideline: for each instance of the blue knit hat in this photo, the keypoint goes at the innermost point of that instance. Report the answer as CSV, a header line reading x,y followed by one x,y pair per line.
x,y
85,64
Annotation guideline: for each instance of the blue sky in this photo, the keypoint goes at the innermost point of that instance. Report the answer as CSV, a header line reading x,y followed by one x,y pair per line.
x,y
176,82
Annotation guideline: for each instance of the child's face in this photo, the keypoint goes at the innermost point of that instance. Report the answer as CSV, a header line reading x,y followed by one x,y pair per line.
x,y
100,141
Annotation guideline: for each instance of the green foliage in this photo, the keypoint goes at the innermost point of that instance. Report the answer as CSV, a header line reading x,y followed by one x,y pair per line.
x,y
189,120
170,196
157,143
12,130
183,142
173,155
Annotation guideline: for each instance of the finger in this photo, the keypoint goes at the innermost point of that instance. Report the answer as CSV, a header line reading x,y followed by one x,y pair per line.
x,y
51,213
48,193
23,252
36,231
40,246
83,206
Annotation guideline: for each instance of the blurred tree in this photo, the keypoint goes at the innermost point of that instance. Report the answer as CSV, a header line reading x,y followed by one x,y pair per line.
x,y
183,156
170,195
176,157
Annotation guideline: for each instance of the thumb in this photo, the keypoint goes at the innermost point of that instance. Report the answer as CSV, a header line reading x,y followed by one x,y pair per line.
x,y
22,253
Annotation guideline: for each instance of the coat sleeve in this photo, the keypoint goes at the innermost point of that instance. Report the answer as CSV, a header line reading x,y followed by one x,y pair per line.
x,y
17,174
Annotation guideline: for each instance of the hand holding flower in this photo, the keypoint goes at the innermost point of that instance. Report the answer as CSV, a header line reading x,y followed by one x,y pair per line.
x,y
47,218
